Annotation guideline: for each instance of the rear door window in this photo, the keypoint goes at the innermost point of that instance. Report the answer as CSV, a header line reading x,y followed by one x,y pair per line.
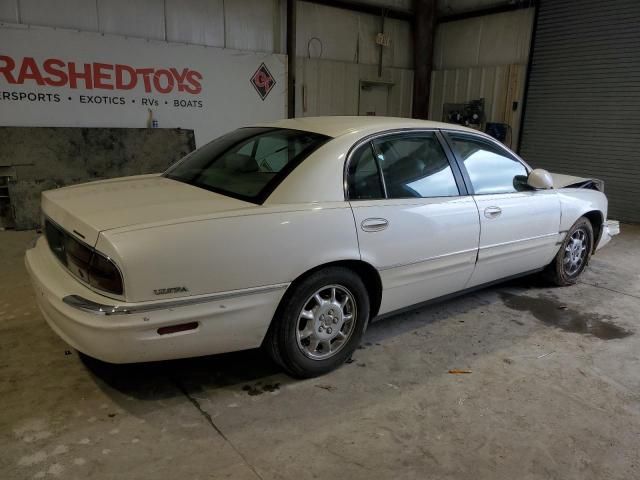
x,y
415,165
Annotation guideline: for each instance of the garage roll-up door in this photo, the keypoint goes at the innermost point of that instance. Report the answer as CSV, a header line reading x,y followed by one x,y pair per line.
x,y
582,113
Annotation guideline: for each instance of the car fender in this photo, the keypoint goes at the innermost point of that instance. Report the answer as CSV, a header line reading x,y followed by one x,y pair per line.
x,y
576,202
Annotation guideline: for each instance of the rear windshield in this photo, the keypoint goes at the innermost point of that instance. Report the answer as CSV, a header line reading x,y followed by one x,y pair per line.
x,y
247,163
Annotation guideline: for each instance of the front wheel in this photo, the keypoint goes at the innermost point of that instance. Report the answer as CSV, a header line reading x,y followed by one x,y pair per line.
x,y
574,254
320,322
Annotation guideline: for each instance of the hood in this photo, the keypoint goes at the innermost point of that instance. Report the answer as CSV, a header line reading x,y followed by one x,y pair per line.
x,y
568,181
560,180
90,208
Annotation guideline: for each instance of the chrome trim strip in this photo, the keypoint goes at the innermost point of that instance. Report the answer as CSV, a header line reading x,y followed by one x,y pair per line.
x,y
546,235
80,303
437,257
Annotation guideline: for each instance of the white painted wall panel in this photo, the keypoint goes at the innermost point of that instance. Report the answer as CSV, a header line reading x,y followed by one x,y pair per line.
x,y
351,36
9,11
337,29
250,24
200,22
482,57
256,25
134,18
400,92
498,39
456,44
368,28
329,87
499,85
77,14
400,52
326,88
506,39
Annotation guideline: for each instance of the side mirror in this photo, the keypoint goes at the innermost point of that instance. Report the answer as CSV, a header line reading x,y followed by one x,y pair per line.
x,y
540,179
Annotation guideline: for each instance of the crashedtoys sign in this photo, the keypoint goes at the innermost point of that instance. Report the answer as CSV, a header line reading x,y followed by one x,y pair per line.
x,y
54,72
67,78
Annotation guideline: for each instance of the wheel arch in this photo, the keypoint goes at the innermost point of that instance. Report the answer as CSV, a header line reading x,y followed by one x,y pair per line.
x,y
367,273
596,218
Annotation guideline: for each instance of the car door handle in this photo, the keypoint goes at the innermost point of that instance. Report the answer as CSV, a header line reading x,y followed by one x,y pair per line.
x,y
374,224
492,212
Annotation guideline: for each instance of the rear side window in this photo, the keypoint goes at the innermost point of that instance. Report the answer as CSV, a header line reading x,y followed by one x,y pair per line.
x,y
491,169
415,165
247,163
364,180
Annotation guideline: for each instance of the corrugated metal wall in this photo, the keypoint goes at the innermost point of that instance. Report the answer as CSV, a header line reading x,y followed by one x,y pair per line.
x,y
499,85
483,57
327,87
336,49
581,115
237,24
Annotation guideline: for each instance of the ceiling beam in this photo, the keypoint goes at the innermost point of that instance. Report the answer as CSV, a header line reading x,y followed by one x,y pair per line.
x,y
491,10
362,7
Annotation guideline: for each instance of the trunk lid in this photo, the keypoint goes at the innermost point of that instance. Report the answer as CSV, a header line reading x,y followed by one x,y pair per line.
x,y
86,210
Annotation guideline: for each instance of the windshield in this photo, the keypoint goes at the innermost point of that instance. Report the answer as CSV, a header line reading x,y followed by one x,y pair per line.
x,y
247,163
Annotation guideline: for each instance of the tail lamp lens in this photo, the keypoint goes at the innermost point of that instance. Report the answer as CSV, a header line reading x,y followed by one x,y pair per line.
x,y
77,258
83,261
104,275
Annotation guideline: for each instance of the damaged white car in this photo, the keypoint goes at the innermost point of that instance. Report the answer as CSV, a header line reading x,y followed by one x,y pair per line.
x,y
294,235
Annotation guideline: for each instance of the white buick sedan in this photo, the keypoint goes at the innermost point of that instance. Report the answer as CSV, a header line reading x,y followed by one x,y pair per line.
x,y
294,235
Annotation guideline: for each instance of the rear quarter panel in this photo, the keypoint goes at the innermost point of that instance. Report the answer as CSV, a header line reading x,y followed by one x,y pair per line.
x,y
269,245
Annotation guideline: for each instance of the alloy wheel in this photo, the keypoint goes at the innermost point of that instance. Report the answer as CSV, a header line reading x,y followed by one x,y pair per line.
x,y
326,322
575,252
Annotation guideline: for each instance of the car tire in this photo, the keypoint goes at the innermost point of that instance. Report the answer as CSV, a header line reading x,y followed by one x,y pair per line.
x,y
574,254
319,322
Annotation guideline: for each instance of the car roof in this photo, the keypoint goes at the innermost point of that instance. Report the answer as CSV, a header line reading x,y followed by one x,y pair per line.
x,y
336,126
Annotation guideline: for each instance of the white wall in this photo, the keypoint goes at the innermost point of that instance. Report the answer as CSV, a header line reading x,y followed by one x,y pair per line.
x,y
256,25
237,24
336,49
327,87
483,57
498,39
350,36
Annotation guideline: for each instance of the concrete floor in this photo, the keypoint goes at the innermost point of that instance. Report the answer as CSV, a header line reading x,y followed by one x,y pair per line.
x,y
542,401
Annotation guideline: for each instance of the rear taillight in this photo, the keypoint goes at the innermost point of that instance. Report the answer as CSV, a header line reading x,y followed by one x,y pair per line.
x,y
77,258
83,261
56,239
104,275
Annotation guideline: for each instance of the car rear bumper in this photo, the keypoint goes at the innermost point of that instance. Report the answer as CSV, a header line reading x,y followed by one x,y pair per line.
x,y
610,229
130,333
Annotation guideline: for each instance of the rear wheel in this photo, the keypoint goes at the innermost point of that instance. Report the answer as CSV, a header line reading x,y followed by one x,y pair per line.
x,y
319,323
574,254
